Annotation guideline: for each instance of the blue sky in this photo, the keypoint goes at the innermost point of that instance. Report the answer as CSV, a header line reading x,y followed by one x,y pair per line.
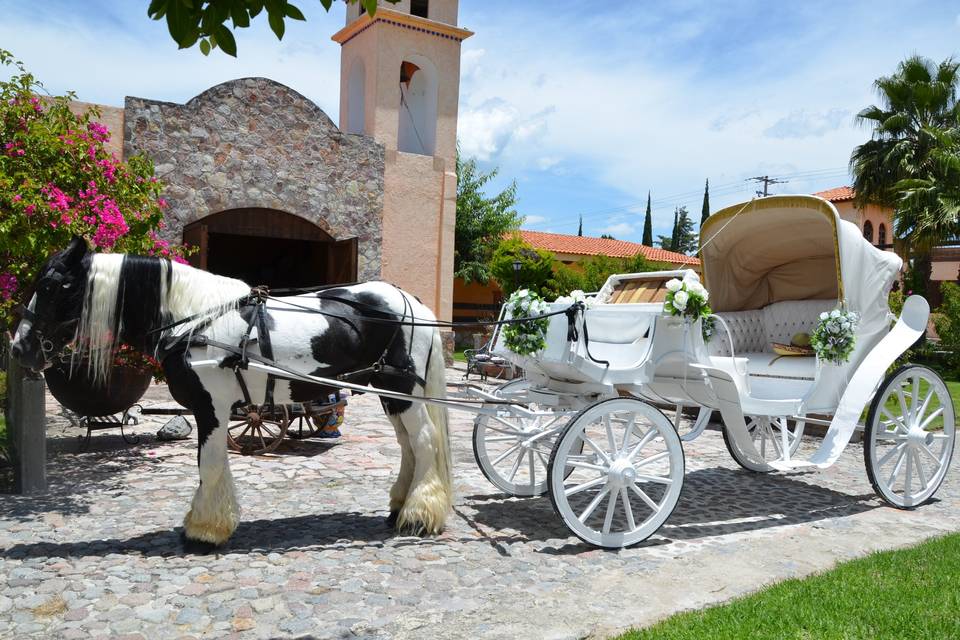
x,y
588,105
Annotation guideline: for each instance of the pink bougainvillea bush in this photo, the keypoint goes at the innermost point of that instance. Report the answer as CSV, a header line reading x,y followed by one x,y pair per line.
x,y
57,179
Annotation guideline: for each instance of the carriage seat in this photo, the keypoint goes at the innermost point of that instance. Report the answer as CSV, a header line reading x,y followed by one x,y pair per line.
x,y
754,330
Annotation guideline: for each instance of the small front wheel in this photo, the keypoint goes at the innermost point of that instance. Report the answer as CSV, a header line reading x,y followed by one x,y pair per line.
x,y
616,472
909,437
776,438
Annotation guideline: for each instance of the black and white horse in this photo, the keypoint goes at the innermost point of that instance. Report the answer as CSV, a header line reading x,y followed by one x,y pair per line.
x,y
98,300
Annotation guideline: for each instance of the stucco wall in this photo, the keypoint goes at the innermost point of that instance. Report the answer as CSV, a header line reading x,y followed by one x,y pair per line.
x,y
111,118
256,143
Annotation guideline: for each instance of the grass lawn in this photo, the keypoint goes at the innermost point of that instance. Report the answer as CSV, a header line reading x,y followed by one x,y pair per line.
x,y
911,593
459,357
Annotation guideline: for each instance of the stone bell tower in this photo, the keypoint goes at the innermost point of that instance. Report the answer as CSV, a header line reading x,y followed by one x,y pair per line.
x,y
400,84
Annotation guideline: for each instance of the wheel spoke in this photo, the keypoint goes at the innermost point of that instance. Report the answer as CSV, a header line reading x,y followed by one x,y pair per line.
x,y
889,454
516,467
510,430
904,408
915,396
933,416
503,456
919,467
642,477
628,431
926,403
593,504
585,465
628,508
651,459
898,422
499,439
533,470
908,476
611,507
542,459
644,441
593,445
590,484
932,455
610,440
896,469
643,496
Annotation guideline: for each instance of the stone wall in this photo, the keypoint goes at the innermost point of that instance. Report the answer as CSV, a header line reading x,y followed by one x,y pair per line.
x,y
256,143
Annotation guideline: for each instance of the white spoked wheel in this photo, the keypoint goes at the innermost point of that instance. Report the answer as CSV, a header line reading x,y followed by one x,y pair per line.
x,y
687,424
616,472
909,437
512,450
776,438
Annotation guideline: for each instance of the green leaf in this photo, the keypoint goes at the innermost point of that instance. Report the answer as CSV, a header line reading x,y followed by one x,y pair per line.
x,y
157,9
326,4
225,41
276,23
254,7
205,47
370,6
240,17
293,13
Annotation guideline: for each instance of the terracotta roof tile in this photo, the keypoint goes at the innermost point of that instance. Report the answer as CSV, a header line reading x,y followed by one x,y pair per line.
x,y
839,194
586,246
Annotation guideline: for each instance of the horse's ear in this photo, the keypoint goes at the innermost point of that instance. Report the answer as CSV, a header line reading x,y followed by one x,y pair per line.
x,y
75,250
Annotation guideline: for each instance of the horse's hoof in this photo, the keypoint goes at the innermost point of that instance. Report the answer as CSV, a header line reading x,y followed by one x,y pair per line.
x,y
198,547
392,519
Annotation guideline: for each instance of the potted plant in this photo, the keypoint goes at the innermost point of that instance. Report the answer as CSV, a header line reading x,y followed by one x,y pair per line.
x,y
71,383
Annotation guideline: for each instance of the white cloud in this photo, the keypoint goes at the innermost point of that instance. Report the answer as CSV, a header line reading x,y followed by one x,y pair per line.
x,y
546,163
619,229
534,220
803,123
485,130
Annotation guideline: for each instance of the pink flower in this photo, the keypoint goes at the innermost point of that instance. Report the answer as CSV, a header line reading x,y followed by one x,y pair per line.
x,y
8,285
30,208
98,131
17,197
161,203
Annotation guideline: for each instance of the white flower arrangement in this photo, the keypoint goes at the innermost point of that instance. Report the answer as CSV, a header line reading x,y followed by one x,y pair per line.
x,y
527,337
834,338
577,296
687,298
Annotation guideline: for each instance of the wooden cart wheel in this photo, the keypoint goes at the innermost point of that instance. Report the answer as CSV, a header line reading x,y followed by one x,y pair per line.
x,y
768,433
909,437
304,426
256,431
627,472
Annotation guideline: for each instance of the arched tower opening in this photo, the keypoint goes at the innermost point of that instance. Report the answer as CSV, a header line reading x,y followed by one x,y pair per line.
x,y
356,98
417,130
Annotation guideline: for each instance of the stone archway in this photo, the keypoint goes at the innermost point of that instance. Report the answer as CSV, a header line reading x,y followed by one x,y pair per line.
x,y
256,145
270,247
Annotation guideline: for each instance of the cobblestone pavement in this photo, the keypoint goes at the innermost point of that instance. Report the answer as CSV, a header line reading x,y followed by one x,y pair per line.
x,y
99,556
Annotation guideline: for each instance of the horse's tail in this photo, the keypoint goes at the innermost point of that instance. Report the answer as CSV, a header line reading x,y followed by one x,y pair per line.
x,y
437,388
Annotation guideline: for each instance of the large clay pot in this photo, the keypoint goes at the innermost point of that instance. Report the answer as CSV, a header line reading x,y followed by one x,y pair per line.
x,y
76,391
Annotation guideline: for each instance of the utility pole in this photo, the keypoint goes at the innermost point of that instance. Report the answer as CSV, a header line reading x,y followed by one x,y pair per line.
x,y
767,181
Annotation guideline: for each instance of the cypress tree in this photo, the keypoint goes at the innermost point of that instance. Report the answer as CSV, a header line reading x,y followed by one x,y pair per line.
x,y
705,212
676,229
648,225
580,228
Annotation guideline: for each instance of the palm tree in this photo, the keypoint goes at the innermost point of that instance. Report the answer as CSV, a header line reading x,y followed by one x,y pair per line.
x,y
912,161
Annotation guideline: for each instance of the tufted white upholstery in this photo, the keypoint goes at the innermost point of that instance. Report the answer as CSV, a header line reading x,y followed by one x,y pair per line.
x,y
754,331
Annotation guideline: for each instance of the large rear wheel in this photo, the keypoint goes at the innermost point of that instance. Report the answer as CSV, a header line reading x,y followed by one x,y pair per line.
x,y
616,472
909,437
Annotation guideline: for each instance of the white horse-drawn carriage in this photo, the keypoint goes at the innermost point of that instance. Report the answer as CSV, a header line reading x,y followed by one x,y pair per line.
x,y
587,422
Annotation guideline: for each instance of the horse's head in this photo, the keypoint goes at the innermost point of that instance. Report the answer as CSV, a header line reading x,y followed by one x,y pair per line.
x,y
50,321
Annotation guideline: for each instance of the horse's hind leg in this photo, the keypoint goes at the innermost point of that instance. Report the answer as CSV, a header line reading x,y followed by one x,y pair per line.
x,y
425,509
400,488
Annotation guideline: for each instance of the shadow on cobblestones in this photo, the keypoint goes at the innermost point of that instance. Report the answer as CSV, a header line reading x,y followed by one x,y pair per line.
x,y
101,470
715,502
311,532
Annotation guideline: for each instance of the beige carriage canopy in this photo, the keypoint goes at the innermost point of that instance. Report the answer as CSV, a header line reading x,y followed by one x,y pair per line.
x,y
793,248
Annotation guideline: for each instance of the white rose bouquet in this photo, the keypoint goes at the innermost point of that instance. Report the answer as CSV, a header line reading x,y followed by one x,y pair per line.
x,y
687,298
576,296
527,337
833,339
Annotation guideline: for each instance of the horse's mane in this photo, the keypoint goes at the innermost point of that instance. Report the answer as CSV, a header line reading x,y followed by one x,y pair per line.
x,y
127,296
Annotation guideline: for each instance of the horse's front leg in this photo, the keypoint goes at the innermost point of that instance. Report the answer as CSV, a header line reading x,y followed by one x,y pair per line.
x,y
214,512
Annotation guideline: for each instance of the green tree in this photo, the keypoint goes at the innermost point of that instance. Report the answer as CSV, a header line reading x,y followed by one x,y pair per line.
x,y
536,267
947,321
670,242
607,236
648,224
705,209
912,160
580,228
205,21
686,238
482,221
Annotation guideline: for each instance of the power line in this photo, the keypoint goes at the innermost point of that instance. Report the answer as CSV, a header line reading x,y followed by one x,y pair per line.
x,y
767,181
